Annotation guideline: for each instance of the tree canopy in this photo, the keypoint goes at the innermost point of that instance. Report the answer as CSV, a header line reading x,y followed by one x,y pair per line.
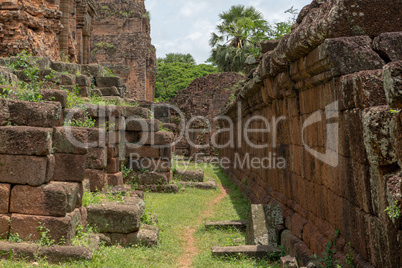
x,y
176,72
239,34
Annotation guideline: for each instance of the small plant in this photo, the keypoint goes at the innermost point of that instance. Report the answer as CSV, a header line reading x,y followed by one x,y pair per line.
x,y
89,198
44,239
146,218
125,170
14,238
109,73
394,211
328,260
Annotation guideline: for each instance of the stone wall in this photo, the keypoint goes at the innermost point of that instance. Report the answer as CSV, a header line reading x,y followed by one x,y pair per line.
x,y
330,91
51,29
121,41
204,97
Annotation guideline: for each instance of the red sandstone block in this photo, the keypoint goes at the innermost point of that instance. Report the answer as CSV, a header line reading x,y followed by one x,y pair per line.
x,y
55,95
97,179
96,158
25,140
143,151
136,112
103,111
36,114
157,138
166,152
115,179
142,125
148,178
4,197
20,169
70,140
69,167
4,226
112,151
113,165
26,226
4,112
54,199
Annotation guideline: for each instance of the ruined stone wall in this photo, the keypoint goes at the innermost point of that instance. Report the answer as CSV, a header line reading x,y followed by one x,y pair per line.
x,y
121,41
330,97
51,29
205,97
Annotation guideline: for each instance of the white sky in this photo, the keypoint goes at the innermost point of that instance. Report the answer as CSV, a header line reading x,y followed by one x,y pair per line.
x,y
185,26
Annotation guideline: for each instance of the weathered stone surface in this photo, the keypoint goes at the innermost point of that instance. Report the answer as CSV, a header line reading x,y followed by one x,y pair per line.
x,y
96,158
35,114
92,70
156,138
388,45
148,178
115,217
393,84
169,188
189,175
142,151
4,197
57,254
239,224
70,140
26,226
115,179
109,81
142,125
136,112
146,236
4,112
97,179
55,95
69,167
109,91
208,185
289,262
258,251
25,140
263,220
103,111
20,169
4,226
54,199
19,251
268,45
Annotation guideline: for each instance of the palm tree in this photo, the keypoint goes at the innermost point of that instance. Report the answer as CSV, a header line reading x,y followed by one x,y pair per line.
x,y
239,33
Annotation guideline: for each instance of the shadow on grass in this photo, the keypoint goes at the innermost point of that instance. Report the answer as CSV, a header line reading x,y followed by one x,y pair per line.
x,y
240,204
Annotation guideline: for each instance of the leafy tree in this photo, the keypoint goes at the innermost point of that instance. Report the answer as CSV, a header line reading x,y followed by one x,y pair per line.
x,y
176,73
177,57
239,34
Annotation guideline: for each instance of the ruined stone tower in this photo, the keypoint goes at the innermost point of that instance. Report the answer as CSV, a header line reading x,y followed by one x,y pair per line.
x,y
121,41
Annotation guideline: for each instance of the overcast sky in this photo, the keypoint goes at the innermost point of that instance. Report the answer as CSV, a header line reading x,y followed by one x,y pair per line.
x,y
185,26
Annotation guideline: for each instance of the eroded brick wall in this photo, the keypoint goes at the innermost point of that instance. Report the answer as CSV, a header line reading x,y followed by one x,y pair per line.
x,y
121,41
352,82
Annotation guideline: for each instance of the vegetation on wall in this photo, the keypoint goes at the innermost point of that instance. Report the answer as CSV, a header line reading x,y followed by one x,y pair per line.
x,y
176,72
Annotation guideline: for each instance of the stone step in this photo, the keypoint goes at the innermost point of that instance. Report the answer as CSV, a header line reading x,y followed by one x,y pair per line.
x,y
208,185
239,224
256,251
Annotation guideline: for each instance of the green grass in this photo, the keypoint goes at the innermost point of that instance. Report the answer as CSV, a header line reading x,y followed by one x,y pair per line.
x,y
177,212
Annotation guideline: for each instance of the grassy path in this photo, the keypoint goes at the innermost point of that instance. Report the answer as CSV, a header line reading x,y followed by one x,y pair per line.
x,y
184,241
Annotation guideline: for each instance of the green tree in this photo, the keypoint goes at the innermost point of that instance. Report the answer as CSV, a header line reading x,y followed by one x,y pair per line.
x,y
176,73
239,34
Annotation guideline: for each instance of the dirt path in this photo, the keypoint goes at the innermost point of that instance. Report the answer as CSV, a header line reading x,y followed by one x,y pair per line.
x,y
191,250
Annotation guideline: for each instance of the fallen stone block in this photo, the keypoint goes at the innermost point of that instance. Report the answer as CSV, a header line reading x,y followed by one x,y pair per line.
x,y
83,81
142,125
262,222
35,114
189,175
20,169
169,188
103,111
69,167
70,140
109,91
4,197
4,226
74,114
61,67
289,262
146,236
55,95
25,140
60,228
125,190
54,199
92,70
208,185
148,178
108,81
56,254
116,217
388,45
255,251
115,179
18,251
96,158
238,224
97,179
